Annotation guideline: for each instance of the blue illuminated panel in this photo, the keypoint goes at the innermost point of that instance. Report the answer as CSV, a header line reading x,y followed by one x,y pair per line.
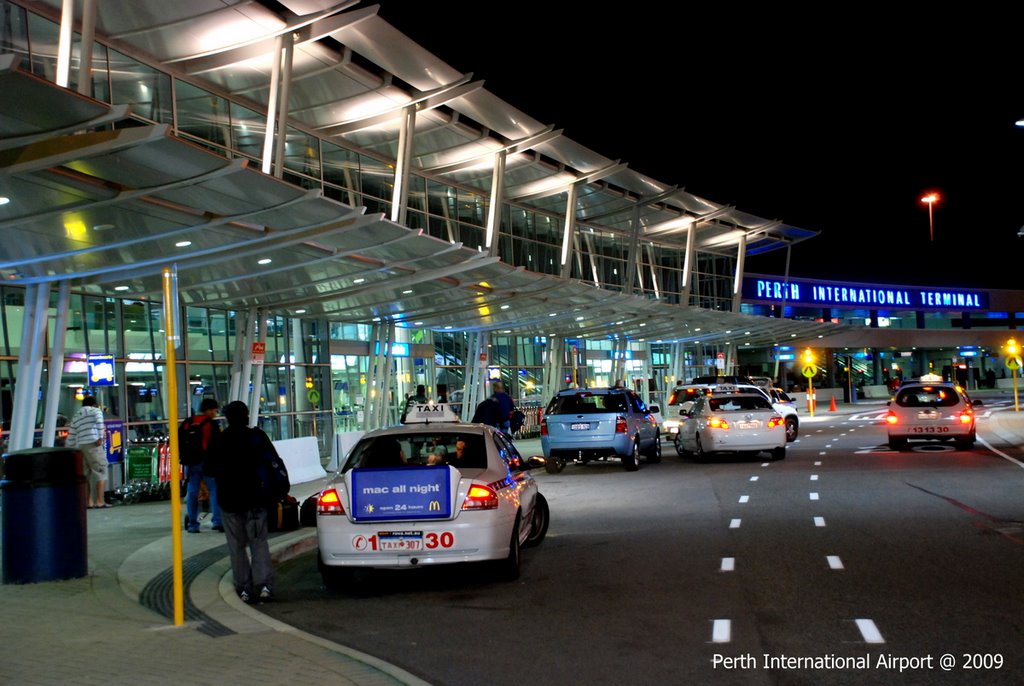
x,y
401,493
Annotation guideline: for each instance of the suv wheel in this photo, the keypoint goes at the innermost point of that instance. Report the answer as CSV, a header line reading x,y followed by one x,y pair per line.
x,y
631,462
792,429
554,465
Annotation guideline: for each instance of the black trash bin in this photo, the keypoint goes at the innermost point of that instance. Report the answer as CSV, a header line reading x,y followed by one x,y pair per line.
x,y
43,496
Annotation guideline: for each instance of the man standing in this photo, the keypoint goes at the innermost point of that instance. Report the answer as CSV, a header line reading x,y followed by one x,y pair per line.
x,y
237,460
195,437
505,407
86,434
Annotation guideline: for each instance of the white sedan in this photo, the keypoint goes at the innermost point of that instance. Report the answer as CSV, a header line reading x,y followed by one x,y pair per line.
x,y
732,422
431,492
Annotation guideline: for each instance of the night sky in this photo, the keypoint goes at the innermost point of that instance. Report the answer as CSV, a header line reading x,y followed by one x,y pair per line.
x,y
834,118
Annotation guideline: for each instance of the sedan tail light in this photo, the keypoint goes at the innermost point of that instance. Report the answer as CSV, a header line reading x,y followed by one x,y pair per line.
x,y
480,498
966,416
775,421
620,425
329,503
717,423
891,418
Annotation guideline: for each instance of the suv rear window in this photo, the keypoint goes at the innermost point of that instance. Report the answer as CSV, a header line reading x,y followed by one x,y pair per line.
x,y
927,396
587,403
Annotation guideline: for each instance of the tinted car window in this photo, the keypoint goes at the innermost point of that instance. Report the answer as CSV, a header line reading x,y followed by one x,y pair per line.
x,y
587,403
414,449
738,403
926,396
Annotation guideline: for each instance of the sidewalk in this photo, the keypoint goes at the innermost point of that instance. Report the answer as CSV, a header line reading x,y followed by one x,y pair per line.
x,y
116,626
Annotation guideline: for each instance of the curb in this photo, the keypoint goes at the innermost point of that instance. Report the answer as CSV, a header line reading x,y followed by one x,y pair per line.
x,y
282,551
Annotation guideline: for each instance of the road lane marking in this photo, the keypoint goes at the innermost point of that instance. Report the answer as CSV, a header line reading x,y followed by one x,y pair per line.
x,y
819,431
1000,453
744,498
728,564
735,523
818,463
869,631
765,464
834,562
822,453
814,477
754,478
819,521
814,496
722,631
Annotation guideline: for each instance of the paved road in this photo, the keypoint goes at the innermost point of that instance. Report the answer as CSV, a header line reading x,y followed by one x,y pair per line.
x,y
845,551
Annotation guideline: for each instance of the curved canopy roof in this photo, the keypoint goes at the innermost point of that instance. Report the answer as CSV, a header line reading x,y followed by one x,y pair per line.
x,y
242,239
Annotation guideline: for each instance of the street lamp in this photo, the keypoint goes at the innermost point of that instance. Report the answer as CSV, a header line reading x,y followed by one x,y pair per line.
x,y
930,200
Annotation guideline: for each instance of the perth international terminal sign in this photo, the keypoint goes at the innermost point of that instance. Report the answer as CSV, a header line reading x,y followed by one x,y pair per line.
x,y
814,293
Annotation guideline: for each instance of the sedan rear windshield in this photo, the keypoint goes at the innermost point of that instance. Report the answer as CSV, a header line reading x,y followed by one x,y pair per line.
x,y
588,403
738,403
927,396
464,451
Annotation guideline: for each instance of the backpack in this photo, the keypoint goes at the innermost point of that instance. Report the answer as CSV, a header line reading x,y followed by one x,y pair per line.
x,y
516,420
190,442
273,473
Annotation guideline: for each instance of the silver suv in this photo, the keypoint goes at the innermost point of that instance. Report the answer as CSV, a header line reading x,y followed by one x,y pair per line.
x,y
584,425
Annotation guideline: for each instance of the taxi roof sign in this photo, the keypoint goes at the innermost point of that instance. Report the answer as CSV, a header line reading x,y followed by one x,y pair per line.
x,y
430,413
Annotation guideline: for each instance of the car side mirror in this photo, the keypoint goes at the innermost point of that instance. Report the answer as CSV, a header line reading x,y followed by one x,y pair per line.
x,y
535,461
888,403
654,409
977,403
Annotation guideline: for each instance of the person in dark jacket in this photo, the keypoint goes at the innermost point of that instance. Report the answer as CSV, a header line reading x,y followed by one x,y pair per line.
x,y
234,461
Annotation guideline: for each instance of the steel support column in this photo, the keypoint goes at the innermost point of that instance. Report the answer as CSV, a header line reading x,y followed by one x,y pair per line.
x,y
689,264
56,369
272,96
30,367
257,381
282,104
737,284
403,166
494,209
570,229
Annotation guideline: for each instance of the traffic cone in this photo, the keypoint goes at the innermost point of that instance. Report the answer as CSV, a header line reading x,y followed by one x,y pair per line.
x,y
832,405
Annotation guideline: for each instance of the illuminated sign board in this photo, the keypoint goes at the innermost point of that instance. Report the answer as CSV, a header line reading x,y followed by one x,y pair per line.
x,y
101,370
397,349
404,493
813,293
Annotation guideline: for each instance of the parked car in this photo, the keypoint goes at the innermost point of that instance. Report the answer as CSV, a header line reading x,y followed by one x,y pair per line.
x,y
931,412
732,422
585,425
433,491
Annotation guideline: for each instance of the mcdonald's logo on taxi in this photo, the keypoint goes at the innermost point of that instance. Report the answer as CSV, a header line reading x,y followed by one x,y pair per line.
x,y
435,506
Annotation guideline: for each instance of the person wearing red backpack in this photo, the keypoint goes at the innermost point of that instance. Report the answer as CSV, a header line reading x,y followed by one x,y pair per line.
x,y
195,437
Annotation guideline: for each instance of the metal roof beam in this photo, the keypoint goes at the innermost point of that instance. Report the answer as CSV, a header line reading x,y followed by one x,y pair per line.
x,y
55,152
549,133
563,187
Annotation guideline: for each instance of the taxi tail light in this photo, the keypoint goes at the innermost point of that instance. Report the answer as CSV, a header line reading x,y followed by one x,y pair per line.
x,y
329,503
891,418
966,417
480,498
717,423
775,421
544,427
620,425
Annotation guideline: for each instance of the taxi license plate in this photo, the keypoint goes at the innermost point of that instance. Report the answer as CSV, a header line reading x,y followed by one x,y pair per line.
x,y
580,426
930,430
748,425
388,541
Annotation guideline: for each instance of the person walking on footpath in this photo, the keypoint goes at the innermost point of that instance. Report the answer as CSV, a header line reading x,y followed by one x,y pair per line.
x,y
86,434
249,476
194,438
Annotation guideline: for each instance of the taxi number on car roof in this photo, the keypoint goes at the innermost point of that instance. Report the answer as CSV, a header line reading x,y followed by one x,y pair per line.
x,y
402,540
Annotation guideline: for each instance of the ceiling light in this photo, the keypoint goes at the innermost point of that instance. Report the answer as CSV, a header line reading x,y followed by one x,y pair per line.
x,y
182,244
407,291
447,328
417,323
4,200
103,227
504,307
358,280
265,260
553,314
300,312
122,288
507,331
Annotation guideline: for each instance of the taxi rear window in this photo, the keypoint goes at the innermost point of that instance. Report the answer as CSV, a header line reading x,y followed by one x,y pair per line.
x,y
463,451
927,396
738,403
587,403
682,395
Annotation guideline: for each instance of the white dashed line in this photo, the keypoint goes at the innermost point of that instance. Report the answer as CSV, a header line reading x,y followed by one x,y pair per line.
x,y
819,431
766,464
834,562
722,631
814,477
818,463
754,478
728,564
744,499
819,521
735,523
822,452
869,631
814,496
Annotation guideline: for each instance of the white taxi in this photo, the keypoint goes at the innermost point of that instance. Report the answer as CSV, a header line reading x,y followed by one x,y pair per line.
x,y
733,422
433,491
931,411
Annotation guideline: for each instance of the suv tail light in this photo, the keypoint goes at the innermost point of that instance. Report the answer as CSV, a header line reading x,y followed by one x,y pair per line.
x,y
480,498
620,425
329,503
891,418
544,427
717,423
